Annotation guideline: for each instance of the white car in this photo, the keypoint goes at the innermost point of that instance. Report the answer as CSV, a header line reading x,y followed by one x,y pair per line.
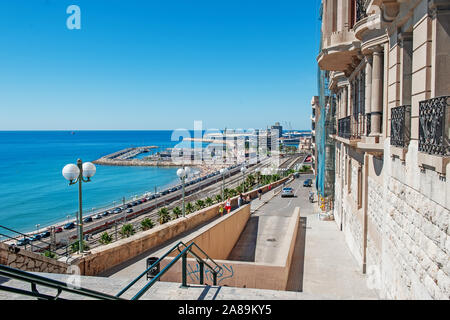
x,y
287,192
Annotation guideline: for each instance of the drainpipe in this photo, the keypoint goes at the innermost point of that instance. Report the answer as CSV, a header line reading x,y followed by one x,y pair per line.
x,y
365,196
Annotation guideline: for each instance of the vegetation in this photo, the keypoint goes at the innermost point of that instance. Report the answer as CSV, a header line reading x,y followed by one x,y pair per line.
x,y
147,223
200,204
189,208
163,215
105,238
209,202
49,254
218,198
76,245
177,212
304,168
127,230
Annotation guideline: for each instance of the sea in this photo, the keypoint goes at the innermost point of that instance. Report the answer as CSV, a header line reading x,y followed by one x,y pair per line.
x,y
33,192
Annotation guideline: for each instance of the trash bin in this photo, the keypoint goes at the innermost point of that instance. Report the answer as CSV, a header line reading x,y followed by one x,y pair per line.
x,y
153,271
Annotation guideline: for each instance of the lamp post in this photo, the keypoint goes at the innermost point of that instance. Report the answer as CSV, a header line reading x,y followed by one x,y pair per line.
x,y
243,170
182,173
77,174
223,172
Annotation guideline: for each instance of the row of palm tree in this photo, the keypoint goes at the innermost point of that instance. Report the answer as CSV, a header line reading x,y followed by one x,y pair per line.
x,y
164,215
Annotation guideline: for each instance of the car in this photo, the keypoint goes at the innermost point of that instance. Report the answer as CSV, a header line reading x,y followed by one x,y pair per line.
x,y
45,234
58,230
129,205
173,189
130,210
23,241
87,219
104,214
165,192
307,183
287,192
144,199
139,201
69,226
97,216
35,237
157,195
117,210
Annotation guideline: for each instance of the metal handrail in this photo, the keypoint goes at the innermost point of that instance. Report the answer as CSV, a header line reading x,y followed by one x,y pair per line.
x,y
55,284
182,255
176,246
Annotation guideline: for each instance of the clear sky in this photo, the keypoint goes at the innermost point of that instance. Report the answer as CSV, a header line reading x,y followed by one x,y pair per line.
x,y
157,64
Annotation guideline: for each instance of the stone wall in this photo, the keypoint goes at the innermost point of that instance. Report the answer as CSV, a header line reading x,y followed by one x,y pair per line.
x,y
29,261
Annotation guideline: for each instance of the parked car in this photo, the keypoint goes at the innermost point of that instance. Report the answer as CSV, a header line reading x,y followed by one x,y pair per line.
x,y
104,214
45,234
130,210
144,199
23,242
307,183
117,210
287,192
35,237
87,219
69,226
58,230
97,216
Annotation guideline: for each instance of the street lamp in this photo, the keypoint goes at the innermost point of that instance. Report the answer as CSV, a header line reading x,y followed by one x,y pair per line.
x,y
243,170
223,172
182,173
77,174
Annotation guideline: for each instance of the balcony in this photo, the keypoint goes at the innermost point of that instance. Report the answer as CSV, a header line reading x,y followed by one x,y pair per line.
x,y
433,126
344,128
339,49
434,146
400,126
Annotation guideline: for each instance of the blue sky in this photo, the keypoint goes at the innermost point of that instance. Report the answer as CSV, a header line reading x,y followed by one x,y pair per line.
x,y
162,64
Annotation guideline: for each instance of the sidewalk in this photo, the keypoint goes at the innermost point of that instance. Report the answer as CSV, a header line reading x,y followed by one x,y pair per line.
x,y
329,268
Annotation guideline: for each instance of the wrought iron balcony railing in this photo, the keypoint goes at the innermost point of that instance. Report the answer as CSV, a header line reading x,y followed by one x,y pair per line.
x,y
400,126
434,117
368,123
344,127
360,10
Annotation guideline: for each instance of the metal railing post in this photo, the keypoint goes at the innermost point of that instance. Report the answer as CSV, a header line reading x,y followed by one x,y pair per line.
x,y
201,267
183,270
215,278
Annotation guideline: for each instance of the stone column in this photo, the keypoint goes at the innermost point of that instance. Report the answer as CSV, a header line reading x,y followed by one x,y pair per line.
x,y
377,92
368,89
345,102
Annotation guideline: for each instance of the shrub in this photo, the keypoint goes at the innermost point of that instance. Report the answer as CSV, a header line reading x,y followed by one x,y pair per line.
x,y
49,254
189,208
105,238
76,245
209,202
199,204
218,198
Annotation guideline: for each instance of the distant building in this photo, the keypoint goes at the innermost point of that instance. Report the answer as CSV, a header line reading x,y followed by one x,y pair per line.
x,y
278,127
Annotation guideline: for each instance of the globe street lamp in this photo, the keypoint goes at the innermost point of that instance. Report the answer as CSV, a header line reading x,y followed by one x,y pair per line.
x,y
77,174
223,172
243,170
182,173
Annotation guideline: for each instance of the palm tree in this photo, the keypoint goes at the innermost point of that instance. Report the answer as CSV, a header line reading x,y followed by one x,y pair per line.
x,y
127,230
225,193
147,223
189,208
218,198
209,202
163,215
199,204
177,212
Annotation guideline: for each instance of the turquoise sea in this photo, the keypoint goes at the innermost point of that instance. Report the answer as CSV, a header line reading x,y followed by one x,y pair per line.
x,y
33,190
